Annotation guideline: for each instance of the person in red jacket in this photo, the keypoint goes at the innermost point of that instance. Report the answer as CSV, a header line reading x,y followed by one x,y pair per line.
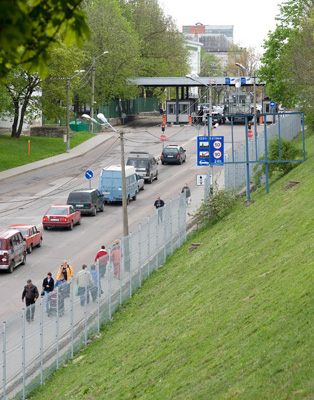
x,y
102,256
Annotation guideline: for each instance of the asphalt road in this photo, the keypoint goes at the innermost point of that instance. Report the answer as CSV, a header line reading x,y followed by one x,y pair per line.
x,y
26,197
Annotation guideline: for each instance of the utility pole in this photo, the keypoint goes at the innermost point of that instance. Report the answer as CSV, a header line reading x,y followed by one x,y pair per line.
x,y
67,148
93,95
124,199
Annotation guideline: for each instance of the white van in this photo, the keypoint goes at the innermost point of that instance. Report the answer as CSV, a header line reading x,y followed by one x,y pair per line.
x,y
110,183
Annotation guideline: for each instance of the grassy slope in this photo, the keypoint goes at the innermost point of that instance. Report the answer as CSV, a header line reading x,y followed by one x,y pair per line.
x,y
232,319
13,152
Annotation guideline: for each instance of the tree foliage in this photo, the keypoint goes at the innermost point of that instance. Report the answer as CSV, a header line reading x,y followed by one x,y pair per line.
x,y
30,28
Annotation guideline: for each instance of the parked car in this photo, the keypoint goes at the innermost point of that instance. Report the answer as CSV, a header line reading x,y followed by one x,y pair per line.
x,y
31,235
140,182
88,201
145,165
173,154
12,249
62,216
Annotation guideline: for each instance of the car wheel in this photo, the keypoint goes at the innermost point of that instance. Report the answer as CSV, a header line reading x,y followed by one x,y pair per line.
x,y
156,176
30,249
134,197
150,179
40,243
79,221
94,212
102,208
163,163
24,259
11,267
143,187
71,226
127,201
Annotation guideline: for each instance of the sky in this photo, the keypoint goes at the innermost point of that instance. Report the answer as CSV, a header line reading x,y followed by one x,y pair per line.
x,y
251,19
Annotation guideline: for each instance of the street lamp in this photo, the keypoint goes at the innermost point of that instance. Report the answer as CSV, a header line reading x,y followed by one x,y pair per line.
x,y
93,89
68,107
124,200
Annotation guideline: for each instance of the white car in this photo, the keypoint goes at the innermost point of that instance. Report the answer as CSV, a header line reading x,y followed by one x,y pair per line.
x,y
140,182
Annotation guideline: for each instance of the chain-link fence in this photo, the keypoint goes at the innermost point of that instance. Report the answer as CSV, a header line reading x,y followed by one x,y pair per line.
x,y
287,127
43,336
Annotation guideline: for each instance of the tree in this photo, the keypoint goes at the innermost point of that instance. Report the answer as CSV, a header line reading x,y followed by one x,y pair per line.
x,y
30,28
244,56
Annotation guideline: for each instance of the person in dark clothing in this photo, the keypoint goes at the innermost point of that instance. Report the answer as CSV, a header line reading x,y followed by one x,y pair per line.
x,y
30,293
187,192
158,205
200,115
48,285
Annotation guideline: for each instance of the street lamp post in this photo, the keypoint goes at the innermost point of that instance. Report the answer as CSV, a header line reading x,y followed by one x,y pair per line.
x,y
93,89
67,149
124,199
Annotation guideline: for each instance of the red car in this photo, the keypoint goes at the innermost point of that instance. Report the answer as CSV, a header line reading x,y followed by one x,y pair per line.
x,y
31,235
61,215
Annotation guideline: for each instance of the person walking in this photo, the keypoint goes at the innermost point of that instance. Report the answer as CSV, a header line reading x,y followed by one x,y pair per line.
x,y
64,287
66,270
48,285
30,293
102,257
84,282
115,258
158,205
187,192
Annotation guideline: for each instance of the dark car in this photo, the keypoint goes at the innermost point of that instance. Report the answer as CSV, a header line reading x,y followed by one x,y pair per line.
x,y
88,201
61,216
217,118
173,154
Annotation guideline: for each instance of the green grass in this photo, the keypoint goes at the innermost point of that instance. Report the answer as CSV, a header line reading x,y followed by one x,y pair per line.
x,y
13,152
231,320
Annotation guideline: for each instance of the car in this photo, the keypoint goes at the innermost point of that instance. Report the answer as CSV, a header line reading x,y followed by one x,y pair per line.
x,y
217,118
62,216
88,201
31,235
12,249
145,165
140,182
173,154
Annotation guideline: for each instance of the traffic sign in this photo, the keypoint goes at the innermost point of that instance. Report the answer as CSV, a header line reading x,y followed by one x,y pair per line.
x,y
243,80
250,133
212,81
202,150
227,81
163,138
272,105
89,174
216,150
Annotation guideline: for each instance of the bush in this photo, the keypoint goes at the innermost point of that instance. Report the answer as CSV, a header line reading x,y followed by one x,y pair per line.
x,y
289,151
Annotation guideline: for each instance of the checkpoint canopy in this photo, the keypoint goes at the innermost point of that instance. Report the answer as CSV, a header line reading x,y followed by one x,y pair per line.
x,y
184,83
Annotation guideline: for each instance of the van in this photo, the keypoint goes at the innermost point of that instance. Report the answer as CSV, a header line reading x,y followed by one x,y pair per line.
x,y
145,165
88,201
12,249
110,183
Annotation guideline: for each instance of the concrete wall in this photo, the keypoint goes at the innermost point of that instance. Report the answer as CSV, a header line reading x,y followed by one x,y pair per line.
x,y
48,131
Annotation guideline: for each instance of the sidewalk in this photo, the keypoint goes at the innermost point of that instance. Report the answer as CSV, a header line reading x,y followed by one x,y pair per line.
x,y
75,152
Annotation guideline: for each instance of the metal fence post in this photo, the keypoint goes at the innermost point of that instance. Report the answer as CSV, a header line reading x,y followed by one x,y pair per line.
x,y
165,233
98,296
109,286
131,262
4,358
157,244
139,255
23,351
86,296
179,223
148,246
122,268
57,330
171,235
42,335
72,315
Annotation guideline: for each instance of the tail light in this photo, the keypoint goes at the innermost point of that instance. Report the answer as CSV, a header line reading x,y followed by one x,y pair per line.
x,y
64,219
45,219
92,205
178,156
147,172
162,156
5,258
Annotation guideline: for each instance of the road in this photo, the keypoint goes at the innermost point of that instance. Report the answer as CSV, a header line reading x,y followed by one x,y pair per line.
x,y
26,197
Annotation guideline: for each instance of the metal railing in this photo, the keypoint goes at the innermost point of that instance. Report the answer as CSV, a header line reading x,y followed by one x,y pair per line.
x,y
63,321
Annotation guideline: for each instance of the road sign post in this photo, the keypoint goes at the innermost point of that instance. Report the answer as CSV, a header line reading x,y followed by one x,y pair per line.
x,y
88,175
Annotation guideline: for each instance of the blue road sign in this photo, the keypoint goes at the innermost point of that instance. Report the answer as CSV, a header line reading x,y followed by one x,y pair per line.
x,y
272,105
89,174
227,81
243,80
202,150
216,150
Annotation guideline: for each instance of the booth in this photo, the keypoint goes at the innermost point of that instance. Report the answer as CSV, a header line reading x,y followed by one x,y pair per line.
x,y
186,107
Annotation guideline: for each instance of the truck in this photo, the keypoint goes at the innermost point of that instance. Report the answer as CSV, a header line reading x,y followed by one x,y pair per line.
x,y
238,105
110,183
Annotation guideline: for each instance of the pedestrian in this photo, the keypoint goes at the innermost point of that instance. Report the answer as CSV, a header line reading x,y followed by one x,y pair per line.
x,y
84,282
115,258
97,282
258,113
48,285
102,257
66,270
187,192
30,293
200,115
158,205
64,287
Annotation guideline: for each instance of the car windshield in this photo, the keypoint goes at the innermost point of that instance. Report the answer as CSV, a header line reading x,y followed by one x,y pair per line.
x,y
170,151
79,196
24,232
137,163
57,211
